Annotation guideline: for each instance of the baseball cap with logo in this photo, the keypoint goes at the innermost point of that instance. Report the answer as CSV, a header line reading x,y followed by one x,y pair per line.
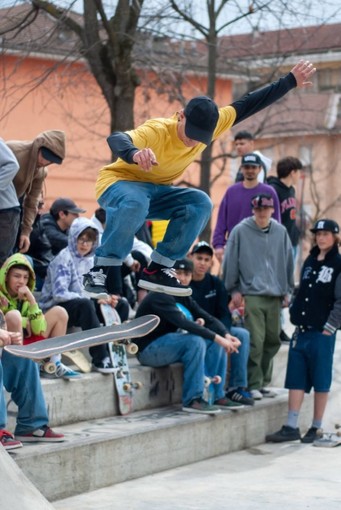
x,y
251,159
328,225
202,247
184,265
201,119
65,204
262,200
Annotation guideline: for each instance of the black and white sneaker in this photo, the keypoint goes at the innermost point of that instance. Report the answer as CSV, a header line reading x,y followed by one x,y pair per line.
x,y
94,284
105,366
163,280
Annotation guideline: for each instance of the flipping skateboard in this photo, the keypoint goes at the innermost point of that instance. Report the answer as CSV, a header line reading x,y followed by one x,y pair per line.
x,y
124,385
57,345
111,318
77,358
328,439
209,389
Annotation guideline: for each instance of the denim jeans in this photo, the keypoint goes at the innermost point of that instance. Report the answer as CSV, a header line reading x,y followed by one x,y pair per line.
x,y
200,357
21,379
238,361
129,204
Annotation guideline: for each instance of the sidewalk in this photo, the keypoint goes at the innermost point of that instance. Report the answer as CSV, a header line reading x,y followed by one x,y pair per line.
x,y
290,476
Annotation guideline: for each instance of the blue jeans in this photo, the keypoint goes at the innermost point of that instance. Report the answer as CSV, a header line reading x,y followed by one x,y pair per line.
x,y
199,357
238,361
129,204
20,377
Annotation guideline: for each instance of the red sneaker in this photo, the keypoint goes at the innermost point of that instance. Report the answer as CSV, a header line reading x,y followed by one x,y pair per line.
x,y
8,442
43,435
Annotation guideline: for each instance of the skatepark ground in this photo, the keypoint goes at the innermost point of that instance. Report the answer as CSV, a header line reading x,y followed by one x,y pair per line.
x,y
290,476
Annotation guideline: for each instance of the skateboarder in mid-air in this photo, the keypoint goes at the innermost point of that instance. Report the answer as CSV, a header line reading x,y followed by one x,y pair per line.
x,y
139,184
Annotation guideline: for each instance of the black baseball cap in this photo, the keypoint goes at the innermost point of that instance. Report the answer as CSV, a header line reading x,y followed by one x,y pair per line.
x,y
202,247
262,200
51,156
65,204
251,159
184,265
328,225
202,116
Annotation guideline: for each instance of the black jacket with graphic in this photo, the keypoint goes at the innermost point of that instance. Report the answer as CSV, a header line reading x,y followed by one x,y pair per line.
x,y
287,202
318,300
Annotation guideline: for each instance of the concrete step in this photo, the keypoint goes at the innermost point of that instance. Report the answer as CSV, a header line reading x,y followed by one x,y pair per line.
x,y
106,451
94,395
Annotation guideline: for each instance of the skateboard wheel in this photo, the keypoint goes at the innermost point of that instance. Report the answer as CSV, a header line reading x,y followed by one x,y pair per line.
x,y
207,381
138,385
132,348
319,433
127,387
337,426
49,367
216,379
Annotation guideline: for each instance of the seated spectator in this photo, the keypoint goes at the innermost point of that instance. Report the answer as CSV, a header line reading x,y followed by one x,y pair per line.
x,y
201,349
40,250
210,293
57,222
20,377
17,282
63,286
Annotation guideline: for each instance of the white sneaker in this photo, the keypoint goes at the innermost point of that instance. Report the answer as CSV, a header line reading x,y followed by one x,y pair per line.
x,y
268,393
256,395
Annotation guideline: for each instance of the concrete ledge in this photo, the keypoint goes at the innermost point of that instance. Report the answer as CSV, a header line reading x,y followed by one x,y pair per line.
x,y
103,452
94,396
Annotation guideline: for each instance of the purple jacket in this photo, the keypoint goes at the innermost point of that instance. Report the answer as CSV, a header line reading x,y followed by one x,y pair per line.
x,y
235,206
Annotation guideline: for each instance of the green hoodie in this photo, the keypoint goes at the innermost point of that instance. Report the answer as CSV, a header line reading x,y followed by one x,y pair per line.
x,y
29,313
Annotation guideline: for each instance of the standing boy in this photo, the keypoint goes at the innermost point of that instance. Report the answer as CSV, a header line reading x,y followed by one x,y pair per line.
x,y
235,205
258,266
316,313
139,184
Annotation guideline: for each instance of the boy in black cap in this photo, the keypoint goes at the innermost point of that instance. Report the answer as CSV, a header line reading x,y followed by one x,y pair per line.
x,y
316,313
258,267
210,293
57,222
182,337
139,184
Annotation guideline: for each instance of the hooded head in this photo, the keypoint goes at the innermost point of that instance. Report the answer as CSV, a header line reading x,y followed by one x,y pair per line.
x,y
77,227
18,259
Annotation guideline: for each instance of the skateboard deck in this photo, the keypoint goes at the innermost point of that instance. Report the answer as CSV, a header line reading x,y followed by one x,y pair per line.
x,y
328,439
57,345
110,316
123,383
118,355
77,358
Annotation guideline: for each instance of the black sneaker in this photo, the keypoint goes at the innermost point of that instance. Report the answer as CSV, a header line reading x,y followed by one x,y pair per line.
x,y
311,435
163,280
284,338
241,396
284,434
199,405
105,366
94,284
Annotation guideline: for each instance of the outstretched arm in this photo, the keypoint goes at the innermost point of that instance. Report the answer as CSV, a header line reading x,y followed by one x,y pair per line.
x,y
256,101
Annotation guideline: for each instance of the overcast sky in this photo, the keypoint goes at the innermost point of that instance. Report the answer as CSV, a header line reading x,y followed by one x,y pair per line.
x,y
276,14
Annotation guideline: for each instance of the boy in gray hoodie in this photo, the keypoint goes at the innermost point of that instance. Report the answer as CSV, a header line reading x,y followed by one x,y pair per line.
x,y
258,266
